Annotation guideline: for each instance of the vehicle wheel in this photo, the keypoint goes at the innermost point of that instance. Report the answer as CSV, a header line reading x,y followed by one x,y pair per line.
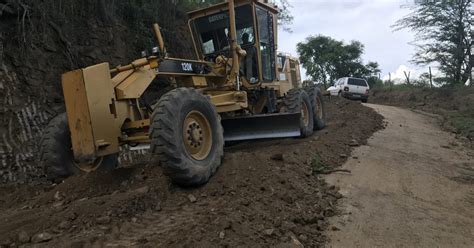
x,y
56,155
297,101
186,137
339,94
364,100
317,105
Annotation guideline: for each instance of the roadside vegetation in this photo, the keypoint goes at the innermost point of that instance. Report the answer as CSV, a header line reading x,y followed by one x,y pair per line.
x,y
444,37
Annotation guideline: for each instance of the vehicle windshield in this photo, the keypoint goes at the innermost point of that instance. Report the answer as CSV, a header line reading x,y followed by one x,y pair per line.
x,y
213,31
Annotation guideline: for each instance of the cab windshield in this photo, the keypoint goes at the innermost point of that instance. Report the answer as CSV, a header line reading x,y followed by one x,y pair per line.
x,y
213,31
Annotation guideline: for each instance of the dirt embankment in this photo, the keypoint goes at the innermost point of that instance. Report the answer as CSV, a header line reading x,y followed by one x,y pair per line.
x,y
454,106
267,193
40,40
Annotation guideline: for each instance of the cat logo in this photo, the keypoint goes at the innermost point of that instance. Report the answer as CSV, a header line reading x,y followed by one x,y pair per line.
x,y
187,66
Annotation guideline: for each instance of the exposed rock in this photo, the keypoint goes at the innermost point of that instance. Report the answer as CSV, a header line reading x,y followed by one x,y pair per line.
x,y
192,198
64,225
227,225
221,235
245,202
72,216
303,237
269,232
293,243
41,237
277,157
23,237
57,196
143,190
103,220
354,143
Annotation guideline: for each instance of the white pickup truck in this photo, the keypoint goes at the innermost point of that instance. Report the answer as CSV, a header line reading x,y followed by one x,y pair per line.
x,y
351,88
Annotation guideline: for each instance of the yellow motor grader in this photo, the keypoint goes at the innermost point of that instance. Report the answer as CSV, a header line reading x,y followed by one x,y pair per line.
x,y
237,88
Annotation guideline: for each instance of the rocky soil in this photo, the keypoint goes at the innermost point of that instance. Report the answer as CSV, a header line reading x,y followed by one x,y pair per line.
x,y
266,194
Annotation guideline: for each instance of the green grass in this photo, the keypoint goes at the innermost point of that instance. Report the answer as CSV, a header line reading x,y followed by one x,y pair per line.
x,y
317,165
463,122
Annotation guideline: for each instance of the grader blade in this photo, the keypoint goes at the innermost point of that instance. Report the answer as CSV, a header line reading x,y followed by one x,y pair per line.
x,y
261,127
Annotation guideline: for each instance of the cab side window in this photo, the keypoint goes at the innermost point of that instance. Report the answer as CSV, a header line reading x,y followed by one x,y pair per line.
x,y
265,30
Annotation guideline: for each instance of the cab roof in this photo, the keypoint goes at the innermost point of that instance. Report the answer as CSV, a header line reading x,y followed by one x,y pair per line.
x,y
223,6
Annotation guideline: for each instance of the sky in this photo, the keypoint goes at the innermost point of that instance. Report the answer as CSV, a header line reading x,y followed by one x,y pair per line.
x,y
368,21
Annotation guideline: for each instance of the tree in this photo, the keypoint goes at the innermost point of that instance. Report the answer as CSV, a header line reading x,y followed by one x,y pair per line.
x,y
285,18
373,68
373,72
444,35
326,59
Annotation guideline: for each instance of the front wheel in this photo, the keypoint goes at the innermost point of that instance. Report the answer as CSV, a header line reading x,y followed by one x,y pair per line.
x,y
187,137
317,104
56,156
297,101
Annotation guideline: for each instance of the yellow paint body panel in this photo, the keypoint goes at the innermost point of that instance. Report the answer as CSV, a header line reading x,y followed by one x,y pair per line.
x,y
228,101
135,84
89,94
78,115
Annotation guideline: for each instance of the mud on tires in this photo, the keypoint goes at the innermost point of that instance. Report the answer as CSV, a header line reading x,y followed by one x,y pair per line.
x,y
187,137
296,101
317,104
56,156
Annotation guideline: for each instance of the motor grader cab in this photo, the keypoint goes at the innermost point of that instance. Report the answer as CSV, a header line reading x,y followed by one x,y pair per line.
x,y
237,88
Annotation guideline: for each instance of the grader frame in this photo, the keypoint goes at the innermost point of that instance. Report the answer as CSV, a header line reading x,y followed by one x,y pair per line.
x,y
237,88
101,108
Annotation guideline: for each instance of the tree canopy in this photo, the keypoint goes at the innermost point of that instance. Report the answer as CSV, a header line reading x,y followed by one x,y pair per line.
x,y
326,59
444,35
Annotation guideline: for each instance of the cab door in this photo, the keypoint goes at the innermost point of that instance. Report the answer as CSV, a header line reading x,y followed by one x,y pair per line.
x,y
266,34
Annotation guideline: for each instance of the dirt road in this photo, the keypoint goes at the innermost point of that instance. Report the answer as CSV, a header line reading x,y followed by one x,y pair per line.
x,y
410,186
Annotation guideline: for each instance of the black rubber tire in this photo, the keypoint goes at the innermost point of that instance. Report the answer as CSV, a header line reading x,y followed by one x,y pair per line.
x,y
364,100
314,93
293,100
56,156
166,136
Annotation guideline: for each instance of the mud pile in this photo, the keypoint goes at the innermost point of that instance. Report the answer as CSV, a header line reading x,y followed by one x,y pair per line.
x,y
267,193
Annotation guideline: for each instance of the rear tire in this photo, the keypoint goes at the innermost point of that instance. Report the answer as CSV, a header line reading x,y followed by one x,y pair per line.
x,y
297,101
317,104
56,155
187,137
